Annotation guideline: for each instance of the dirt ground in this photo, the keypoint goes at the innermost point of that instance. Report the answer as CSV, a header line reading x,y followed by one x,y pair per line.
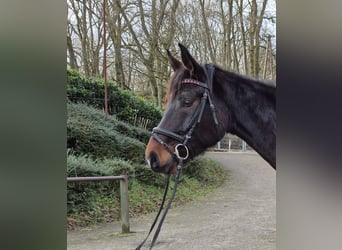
x,y
241,215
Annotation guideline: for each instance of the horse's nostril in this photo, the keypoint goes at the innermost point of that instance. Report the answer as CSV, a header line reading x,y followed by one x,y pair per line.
x,y
154,164
153,161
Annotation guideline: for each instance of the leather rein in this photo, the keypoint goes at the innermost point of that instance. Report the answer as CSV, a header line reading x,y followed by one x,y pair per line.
x,y
181,150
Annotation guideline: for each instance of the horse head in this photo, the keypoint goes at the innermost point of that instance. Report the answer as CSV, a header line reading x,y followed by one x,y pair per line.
x,y
193,119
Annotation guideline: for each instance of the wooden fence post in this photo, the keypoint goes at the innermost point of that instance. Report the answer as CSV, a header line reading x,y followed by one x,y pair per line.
x,y
124,205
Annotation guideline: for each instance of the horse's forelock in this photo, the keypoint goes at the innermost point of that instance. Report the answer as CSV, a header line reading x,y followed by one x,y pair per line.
x,y
174,84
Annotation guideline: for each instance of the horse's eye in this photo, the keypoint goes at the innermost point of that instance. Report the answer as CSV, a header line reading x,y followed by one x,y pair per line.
x,y
187,102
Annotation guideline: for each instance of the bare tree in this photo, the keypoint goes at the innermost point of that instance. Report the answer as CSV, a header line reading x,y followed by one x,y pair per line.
x,y
255,22
148,39
84,21
72,59
208,34
115,27
231,33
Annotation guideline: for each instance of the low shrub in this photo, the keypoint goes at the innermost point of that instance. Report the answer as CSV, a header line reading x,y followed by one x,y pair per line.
x,y
204,170
100,139
81,196
145,175
85,113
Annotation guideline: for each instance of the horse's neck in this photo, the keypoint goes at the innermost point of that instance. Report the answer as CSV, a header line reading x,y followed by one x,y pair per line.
x,y
252,108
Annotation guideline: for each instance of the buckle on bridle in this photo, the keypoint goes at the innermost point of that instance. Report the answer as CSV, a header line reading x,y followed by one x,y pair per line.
x,y
181,151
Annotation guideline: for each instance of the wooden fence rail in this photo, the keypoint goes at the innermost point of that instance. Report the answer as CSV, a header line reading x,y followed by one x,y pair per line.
x,y
123,195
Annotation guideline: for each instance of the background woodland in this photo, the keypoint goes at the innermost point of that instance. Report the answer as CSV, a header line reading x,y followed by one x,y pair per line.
x,y
238,35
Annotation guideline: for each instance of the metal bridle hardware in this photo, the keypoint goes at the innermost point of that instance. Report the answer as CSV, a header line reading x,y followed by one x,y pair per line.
x,y
177,151
182,145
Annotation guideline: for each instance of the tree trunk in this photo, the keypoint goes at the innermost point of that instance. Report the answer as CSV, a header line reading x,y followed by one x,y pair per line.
x,y
252,37
207,32
72,56
84,42
243,36
115,31
259,19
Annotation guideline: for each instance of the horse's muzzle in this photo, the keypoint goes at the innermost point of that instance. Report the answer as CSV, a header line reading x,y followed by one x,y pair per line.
x,y
154,162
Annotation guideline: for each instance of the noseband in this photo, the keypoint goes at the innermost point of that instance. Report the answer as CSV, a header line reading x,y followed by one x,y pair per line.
x,y
181,151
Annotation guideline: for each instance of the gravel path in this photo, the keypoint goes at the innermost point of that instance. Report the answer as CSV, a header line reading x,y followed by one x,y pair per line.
x,y
238,215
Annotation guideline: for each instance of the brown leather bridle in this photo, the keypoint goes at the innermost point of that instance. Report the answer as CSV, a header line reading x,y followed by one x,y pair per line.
x,y
181,151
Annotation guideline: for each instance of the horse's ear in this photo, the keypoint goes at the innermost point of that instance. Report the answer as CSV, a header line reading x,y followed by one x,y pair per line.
x,y
188,61
175,64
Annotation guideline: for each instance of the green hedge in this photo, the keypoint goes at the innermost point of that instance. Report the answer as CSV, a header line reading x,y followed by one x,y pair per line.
x,y
204,170
122,103
104,139
85,113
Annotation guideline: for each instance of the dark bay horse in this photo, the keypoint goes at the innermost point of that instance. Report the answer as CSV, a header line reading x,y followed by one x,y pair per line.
x,y
204,103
